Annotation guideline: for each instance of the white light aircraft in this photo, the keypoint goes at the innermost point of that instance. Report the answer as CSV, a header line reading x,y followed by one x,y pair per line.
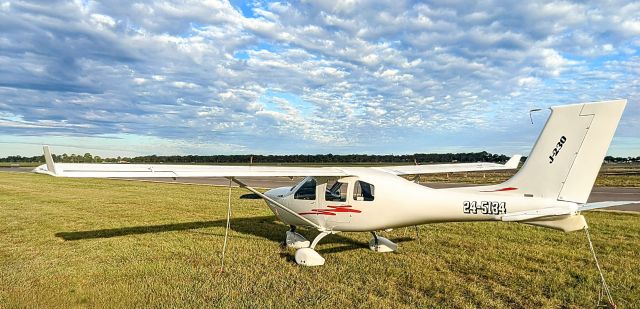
x,y
550,190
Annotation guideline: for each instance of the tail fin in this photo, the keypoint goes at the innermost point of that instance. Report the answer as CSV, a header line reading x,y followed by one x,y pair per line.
x,y
567,156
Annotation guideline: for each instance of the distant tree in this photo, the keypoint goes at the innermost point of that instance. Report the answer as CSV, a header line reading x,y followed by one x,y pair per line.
x,y
87,158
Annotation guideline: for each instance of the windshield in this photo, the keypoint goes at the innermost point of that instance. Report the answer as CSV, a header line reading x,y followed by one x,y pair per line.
x,y
307,191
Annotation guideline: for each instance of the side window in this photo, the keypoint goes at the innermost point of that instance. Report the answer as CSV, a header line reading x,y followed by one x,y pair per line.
x,y
307,191
363,191
336,192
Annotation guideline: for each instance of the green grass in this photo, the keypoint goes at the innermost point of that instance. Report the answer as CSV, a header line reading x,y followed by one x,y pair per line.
x,y
107,243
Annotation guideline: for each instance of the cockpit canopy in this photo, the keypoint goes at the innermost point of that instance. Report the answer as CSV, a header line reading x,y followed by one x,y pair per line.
x,y
335,190
307,191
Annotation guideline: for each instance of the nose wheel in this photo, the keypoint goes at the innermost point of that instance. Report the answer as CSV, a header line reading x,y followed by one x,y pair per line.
x,y
309,256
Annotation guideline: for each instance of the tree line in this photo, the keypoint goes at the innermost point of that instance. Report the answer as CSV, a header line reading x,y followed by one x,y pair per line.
x,y
610,159
317,158
252,158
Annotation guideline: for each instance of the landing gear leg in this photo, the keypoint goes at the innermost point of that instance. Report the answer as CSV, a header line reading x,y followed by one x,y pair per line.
x,y
375,239
308,256
381,244
295,240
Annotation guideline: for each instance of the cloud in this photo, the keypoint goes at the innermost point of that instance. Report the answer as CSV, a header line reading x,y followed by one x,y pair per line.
x,y
312,76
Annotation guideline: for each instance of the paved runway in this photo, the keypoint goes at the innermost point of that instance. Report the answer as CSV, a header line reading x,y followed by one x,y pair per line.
x,y
598,194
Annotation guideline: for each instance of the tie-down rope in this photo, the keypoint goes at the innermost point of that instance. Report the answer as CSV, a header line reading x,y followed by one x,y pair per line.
x,y
603,287
226,230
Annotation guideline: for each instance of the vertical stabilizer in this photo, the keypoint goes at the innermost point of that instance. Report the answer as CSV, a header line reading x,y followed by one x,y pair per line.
x,y
567,156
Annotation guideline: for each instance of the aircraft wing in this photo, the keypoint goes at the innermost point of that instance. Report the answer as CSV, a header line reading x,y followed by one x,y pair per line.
x,y
92,170
180,171
449,168
88,170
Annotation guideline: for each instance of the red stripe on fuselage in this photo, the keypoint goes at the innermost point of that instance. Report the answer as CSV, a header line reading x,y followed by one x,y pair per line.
x,y
331,211
502,189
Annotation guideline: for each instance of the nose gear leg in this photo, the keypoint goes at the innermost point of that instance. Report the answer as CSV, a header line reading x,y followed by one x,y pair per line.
x,y
381,244
295,240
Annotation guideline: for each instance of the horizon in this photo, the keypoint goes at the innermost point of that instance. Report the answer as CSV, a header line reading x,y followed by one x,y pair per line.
x,y
524,157
275,154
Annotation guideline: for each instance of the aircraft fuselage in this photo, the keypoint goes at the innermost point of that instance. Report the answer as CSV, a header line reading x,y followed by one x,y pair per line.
x,y
398,202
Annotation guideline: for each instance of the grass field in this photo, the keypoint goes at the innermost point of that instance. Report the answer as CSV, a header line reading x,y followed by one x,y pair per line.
x,y
107,243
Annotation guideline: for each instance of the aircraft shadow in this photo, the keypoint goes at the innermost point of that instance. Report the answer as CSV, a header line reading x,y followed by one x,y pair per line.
x,y
255,226
250,196
266,227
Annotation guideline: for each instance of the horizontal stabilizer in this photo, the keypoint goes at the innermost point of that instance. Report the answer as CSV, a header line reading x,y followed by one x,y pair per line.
x,y
537,213
597,205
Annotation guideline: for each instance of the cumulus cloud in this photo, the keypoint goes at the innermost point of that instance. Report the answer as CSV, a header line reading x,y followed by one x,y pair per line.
x,y
321,76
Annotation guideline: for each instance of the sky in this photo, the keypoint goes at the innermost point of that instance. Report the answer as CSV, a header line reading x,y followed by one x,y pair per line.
x,y
129,78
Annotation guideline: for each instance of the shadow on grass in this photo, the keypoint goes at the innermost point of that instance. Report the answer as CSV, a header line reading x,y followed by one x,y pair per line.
x,y
352,244
250,196
264,227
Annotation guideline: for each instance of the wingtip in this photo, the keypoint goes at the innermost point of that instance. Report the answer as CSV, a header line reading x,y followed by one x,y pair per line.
x,y
48,158
513,161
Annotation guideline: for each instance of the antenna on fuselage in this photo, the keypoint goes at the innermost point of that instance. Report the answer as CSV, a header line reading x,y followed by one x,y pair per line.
x,y
533,110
